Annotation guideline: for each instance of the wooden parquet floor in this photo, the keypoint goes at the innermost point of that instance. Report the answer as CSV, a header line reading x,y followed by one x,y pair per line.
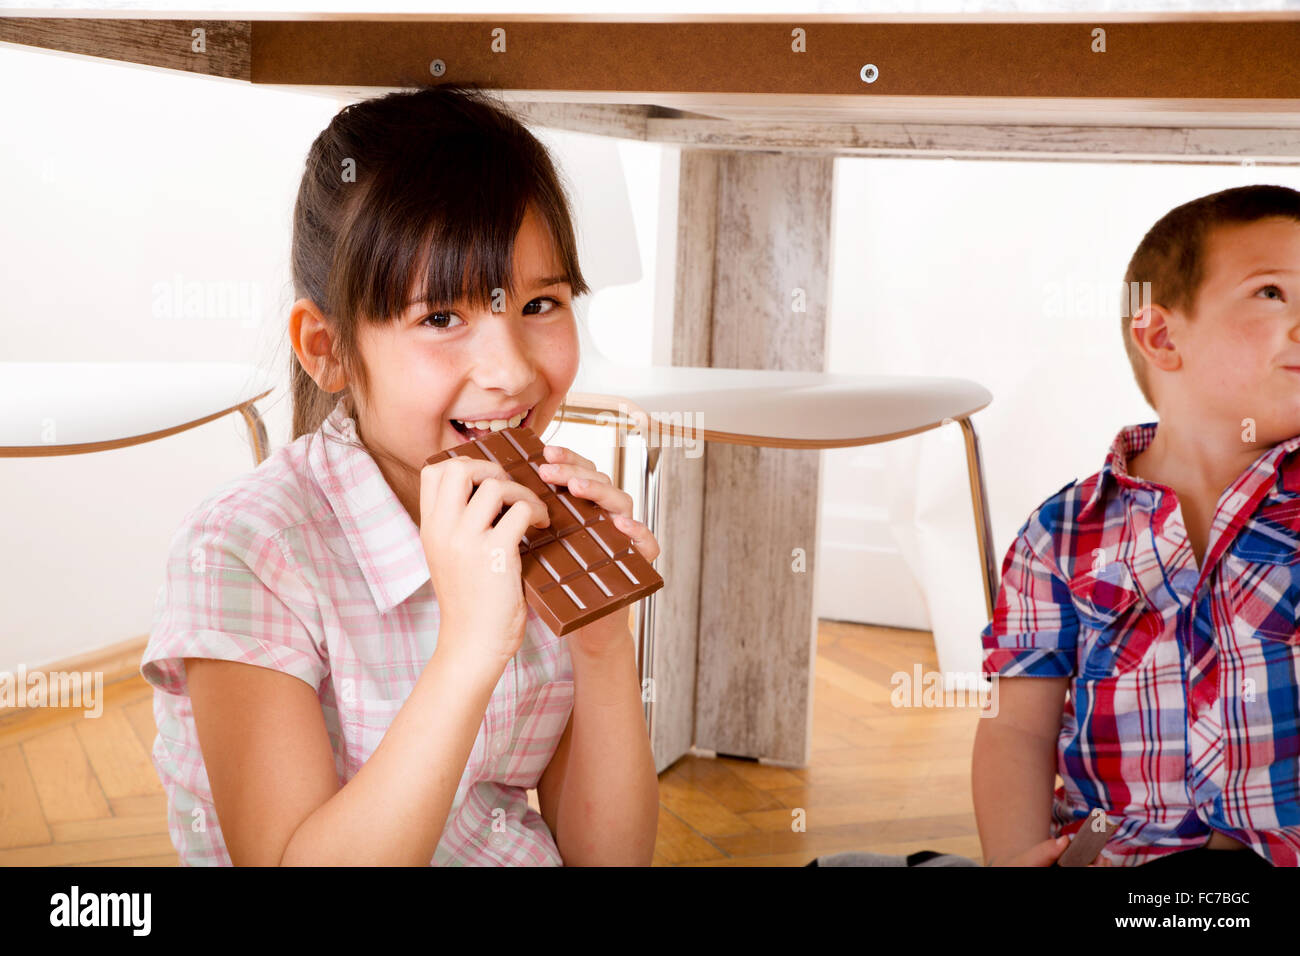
x,y
77,792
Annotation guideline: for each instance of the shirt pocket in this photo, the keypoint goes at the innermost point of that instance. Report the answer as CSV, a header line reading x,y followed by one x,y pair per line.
x,y
1117,628
540,728
1262,568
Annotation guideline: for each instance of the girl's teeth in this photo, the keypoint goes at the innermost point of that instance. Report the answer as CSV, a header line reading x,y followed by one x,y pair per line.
x,y
497,424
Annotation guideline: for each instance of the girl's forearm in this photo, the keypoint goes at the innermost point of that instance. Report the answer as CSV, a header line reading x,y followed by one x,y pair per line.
x,y
608,814
393,812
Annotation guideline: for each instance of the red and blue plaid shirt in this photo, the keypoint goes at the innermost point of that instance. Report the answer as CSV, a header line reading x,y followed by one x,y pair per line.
x,y
1184,707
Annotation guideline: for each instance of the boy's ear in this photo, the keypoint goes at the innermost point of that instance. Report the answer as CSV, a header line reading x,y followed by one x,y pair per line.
x,y
1151,333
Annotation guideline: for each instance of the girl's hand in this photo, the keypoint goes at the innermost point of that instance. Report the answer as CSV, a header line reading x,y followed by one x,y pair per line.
x,y
475,568
567,467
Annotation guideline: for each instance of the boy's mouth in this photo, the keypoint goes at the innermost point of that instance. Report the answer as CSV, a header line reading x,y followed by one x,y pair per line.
x,y
477,429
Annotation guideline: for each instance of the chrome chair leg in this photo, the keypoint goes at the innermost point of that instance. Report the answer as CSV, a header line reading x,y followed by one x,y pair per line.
x,y
646,608
617,471
644,637
980,504
256,432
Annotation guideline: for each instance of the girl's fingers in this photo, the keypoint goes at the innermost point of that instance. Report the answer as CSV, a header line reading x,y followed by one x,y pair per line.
x,y
519,517
430,478
603,493
453,486
564,474
494,492
580,477
641,537
559,455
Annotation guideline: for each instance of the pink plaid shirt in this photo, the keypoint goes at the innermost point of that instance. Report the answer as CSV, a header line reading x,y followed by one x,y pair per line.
x,y
311,566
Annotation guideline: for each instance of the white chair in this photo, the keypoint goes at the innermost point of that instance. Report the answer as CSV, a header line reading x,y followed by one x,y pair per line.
x,y
769,409
72,408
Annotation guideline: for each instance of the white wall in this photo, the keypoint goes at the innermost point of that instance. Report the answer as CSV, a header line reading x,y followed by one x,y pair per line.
x,y
114,178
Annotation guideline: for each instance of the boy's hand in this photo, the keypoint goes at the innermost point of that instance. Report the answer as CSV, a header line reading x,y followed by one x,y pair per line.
x,y
1040,854
1045,854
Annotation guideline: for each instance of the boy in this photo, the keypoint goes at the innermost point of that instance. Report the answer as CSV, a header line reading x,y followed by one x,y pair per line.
x,y
1162,592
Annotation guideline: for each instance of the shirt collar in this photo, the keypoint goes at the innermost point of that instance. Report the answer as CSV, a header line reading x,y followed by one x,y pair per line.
x,y
1133,439
384,540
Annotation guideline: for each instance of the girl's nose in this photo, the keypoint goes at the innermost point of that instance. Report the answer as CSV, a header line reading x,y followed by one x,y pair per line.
x,y
502,359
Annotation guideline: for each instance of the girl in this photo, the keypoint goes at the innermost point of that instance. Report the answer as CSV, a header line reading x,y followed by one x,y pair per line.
x,y
402,697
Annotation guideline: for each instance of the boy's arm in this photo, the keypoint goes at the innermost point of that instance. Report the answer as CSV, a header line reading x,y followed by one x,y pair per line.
x,y
1030,644
1013,770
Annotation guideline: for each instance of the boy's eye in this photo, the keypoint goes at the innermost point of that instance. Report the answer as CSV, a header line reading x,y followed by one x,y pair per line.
x,y
1276,289
440,319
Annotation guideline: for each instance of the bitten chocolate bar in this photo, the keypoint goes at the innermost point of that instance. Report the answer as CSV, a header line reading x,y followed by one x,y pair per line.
x,y
1087,843
581,567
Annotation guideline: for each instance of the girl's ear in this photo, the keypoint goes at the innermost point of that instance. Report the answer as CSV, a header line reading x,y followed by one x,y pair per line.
x,y
313,343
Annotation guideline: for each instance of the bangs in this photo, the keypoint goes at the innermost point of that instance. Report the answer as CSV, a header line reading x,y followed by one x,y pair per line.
x,y
438,225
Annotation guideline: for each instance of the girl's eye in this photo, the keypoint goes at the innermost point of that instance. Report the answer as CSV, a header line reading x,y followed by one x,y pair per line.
x,y
446,316
1276,289
555,304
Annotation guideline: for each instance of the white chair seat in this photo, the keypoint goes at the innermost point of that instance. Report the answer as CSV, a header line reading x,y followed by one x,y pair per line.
x,y
68,408
783,409
773,408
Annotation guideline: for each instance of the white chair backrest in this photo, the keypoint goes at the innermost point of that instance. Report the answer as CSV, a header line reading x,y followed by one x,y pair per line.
x,y
593,175
593,366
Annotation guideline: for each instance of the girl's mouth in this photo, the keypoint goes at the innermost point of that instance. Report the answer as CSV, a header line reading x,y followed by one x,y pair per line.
x,y
480,428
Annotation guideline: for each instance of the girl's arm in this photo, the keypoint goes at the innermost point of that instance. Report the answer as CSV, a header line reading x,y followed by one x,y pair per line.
x,y
272,773
600,793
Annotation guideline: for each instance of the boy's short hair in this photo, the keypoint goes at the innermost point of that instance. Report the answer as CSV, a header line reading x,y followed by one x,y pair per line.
x,y
1172,255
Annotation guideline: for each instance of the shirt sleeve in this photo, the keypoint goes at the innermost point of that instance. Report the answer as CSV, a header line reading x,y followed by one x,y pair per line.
x,y
1034,628
231,593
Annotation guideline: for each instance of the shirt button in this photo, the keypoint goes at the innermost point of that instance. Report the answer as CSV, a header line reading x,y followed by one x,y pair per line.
x,y
498,746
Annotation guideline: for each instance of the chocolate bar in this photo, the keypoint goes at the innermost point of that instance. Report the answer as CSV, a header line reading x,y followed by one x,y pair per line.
x,y
1087,843
580,567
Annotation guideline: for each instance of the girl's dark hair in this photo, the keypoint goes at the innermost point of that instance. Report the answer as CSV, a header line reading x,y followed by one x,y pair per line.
x,y
418,189
1172,255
